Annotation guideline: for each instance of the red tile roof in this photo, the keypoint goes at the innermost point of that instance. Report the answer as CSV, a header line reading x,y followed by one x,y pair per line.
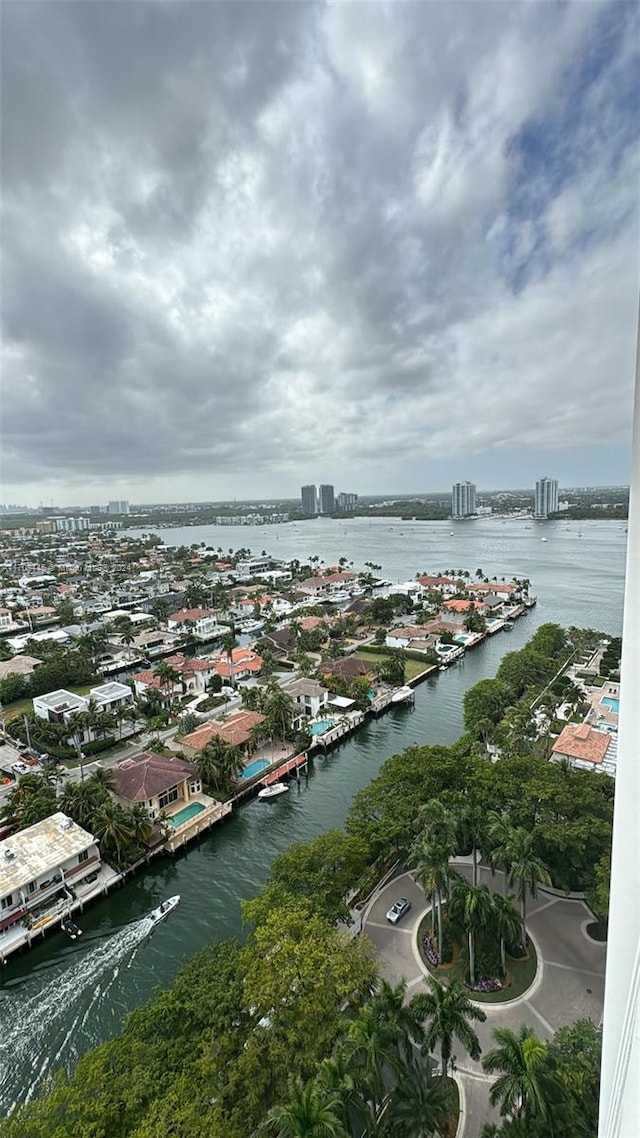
x,y
582,742
236,730
184,615
146,775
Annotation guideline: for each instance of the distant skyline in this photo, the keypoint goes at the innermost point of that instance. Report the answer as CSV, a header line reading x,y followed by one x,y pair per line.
x,y
255,245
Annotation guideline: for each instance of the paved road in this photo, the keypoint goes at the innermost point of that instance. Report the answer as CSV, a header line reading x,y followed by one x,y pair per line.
x,y
569,984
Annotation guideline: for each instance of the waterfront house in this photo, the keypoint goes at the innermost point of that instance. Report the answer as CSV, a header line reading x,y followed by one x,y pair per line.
x,y
203,623
41,868
445,585
454,611
408,636
505,590
169,788
327,585
281,642
348,667
237,731
586,748
309,699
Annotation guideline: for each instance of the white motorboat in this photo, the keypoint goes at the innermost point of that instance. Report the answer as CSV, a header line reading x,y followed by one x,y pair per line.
x,y
248,627
273,791
401,694
164,909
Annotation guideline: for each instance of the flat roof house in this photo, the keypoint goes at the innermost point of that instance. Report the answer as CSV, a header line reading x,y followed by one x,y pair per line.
x,y
39,870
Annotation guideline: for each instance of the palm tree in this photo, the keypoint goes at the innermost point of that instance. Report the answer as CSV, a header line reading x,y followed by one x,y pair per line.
x,y
438,823
79,802
228,644
168,676
371,1042
526,1087
313,1111
102,781
507,922
279,709
449,1009
435,875
403,1019
472,906
210,762
142,825
418,1105
114,829
525,868
470,821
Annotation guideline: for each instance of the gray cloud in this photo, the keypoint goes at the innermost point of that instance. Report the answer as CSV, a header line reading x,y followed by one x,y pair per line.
x,y
270,237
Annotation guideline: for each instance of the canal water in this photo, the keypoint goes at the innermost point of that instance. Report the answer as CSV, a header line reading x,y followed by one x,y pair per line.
x,y
62,998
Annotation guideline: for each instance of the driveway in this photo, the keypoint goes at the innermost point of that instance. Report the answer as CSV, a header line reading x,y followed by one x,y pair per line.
x,y
569,984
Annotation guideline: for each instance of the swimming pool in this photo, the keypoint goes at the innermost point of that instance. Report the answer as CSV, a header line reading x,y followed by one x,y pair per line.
x,y
185,814
609,701
321,726
254,768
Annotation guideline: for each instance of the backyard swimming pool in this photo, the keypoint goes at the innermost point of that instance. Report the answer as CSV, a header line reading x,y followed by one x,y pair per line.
x,y
185,814
254,768
321,726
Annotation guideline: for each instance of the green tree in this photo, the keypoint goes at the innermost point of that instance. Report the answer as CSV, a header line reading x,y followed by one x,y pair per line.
x,y
484,706
32,799
526,869
507,923
449,1013
525,1086
310,1112
472,906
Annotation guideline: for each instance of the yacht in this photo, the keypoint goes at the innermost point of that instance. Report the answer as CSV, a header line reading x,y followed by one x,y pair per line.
x,y
251,626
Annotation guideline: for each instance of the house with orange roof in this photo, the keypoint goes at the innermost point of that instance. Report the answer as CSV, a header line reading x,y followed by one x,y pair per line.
x,y
586,748
243,664
237,731
444,585
454,611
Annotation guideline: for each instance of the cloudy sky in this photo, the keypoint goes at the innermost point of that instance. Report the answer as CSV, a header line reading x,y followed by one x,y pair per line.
x,y
251,245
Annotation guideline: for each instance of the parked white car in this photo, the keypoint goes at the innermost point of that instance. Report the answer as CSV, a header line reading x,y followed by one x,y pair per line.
x,y
20,768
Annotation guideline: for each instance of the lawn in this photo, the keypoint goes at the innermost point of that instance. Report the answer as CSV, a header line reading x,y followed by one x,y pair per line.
x,y
412,668
520,973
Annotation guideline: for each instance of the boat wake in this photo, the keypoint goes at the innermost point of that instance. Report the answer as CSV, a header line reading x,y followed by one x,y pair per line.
x,y
46,1025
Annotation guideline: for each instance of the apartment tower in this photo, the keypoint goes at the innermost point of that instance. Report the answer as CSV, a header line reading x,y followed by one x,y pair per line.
x,y
463,500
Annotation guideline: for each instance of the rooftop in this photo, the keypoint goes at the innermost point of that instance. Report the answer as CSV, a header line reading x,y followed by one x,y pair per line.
x,y
146,775
40,849
579,741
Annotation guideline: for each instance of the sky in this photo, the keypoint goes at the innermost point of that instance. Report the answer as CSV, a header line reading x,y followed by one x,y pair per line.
x,y
248,246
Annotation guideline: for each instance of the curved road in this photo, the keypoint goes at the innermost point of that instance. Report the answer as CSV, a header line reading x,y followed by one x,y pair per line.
x,y
569,984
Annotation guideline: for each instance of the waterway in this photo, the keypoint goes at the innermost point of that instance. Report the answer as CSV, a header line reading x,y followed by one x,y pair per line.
x,y
62,998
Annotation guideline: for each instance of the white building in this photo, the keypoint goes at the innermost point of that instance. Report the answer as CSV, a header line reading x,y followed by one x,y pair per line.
x,y
118,507
309,698
202,623
58,706
463,500
39,867
546,497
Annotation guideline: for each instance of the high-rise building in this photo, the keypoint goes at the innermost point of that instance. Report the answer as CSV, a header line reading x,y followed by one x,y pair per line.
x,y
118,507
346,502
546,497
326,499
463,500
309,500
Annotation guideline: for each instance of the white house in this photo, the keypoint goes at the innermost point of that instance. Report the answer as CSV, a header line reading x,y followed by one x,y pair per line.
x,y
6,618
202,623
309,698
38,868
58,706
